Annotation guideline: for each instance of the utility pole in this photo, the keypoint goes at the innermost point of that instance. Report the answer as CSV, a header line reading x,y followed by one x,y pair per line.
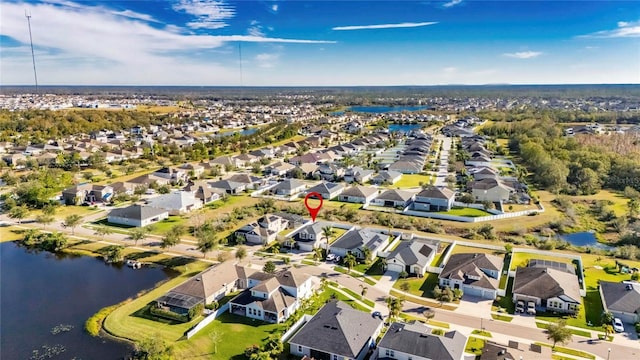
x,y
27,14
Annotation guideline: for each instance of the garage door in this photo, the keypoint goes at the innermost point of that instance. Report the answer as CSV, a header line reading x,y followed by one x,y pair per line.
x,y
472,291
395,267
626,318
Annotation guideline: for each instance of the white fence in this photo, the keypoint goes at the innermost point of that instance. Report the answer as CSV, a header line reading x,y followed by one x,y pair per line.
x,y
303,320
471,219
207,320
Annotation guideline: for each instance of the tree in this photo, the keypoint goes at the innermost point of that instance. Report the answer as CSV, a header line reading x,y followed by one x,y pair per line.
x,y
241,253
114,253
395,306
275,248
349,262
44,219
606,317
443,295
103,230
363,290
269,267
559,333
317,253
169,239
19,213
608,329
72,221
633,208
137,234
216,337
153,348
206,244
366,253
508,248
403,274
383,264
327,232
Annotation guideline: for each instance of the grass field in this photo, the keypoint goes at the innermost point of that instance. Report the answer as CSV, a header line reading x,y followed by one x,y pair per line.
x,y
411,181
461,249
465,211
568,351
474,346
422,287
502,317
10,233
541,325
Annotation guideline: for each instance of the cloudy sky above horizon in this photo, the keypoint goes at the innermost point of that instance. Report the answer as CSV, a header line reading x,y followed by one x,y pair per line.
x,y
320,43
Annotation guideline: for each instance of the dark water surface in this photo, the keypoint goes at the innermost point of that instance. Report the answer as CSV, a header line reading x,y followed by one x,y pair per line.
x,y
40,290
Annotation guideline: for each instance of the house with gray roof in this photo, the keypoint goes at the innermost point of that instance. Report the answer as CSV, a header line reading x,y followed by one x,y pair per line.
x,y
289,187
263,231
416,341
358,194
337,331
176,203
137,215
230,187
358,174
551,285
412,257
310,236
514,351
386,178
327,190
394,198
434,198
622,299
406,166
355,240
476,274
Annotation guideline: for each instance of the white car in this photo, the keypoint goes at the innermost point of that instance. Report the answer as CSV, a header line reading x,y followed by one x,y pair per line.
x,y
331,257
520,306
617,325
531,308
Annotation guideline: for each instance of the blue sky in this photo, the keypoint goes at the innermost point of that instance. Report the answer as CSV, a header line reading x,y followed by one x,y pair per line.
x,y
320,43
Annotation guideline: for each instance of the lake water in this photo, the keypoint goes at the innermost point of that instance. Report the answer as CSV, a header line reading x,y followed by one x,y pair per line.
x,y
584,239
387,109
241,132
40,291
404,128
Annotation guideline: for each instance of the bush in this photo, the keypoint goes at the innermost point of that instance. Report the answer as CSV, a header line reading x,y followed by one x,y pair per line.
x,y
154,310
94,323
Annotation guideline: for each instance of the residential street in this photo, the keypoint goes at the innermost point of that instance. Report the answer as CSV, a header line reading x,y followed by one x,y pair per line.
x,y
442,171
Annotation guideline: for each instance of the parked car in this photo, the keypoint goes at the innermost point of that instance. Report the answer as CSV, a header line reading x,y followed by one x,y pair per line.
x,y
331,257
338,258
377,314
617,325
531,308
520,306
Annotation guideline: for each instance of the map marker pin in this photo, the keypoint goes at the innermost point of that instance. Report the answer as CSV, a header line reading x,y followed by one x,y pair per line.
x,y
313,211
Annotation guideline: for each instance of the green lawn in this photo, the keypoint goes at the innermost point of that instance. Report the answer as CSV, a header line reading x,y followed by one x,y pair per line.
x,y
587,334
422,287
465,211
481,333
372,269
520,259
474,346
461,249
10,233
505,302
502,317
568,351
162,227
411,181
344,270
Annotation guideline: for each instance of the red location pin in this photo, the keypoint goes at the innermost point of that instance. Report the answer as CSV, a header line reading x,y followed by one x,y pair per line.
x,y
313,212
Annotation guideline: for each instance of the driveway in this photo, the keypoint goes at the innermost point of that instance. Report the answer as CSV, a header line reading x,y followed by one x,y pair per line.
x,y
475,306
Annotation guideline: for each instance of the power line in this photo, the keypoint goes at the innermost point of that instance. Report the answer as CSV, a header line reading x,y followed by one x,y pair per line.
x,y
33,56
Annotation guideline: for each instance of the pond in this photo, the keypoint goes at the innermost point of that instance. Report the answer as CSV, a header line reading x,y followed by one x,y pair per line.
x,y
244,132
584,238
387,109
404,128
41,291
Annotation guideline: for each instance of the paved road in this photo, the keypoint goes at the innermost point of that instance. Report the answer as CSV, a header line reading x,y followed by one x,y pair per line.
x,y
442,170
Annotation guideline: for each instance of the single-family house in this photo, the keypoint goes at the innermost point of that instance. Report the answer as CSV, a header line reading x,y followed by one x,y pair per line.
x,y
476,274
490,190
551,285
176,203
310,236
327,190
434,198
514,351
331,172
355,240
622,299
406,167
358,174
358,194
252,182
280,169
203,192
89,193
272,297
137,215
289,187
394,198
263,231
337,331
416,341
174,175
386,178
230,187
411,256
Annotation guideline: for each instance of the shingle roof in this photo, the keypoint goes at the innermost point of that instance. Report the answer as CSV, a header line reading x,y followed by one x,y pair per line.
x,y
624,297
137,212
472,263
412,253
545,283
437,192
416,339
326,187
395,195
359,191
357,238
289,184
338,329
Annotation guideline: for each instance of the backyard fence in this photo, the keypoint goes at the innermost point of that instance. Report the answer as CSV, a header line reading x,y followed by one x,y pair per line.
x,y
207,320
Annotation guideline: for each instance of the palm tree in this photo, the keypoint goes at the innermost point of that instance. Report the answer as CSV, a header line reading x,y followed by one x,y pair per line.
x,y
327,232
363,290
366,252
350,262
317,253
383,264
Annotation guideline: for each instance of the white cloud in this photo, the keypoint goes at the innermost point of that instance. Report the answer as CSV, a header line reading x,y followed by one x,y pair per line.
x,y
274,7
625,29
452,3
523,54
135,15
85,44
255,29
209,14
266,60
384,26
